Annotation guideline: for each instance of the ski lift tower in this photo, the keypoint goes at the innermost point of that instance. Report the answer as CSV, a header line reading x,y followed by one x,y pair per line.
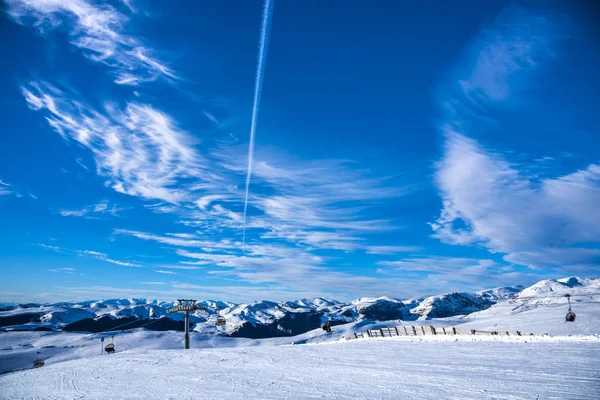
x,y
186,305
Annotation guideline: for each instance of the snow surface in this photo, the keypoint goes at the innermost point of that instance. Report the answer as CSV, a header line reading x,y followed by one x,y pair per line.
x,y
423,368
315,364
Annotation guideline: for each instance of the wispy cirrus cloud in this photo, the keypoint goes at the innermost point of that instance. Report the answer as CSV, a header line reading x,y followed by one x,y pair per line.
x,y
392,249
166,272
490,201
104,257
88,253
99,31
138,148
437,273
4,188
142,152
69,271
299,268
93,211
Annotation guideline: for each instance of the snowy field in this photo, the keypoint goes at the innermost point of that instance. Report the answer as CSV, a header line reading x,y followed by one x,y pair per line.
x,y
151,364
393,368
18,349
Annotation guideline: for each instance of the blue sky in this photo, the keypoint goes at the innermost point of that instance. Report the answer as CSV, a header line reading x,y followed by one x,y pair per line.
x,y
401,149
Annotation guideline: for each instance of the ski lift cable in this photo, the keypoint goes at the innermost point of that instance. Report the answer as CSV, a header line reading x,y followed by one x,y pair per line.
x,y
120,326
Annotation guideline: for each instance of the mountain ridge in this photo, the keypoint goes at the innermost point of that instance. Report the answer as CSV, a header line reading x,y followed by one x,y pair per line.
x,y
263,318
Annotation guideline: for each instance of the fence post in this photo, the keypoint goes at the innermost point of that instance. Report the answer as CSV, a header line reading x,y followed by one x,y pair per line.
x,y
405,331
414,330
355,335
369,333
453,330
381,330
444,329
473,331
423,329
433,330
397,333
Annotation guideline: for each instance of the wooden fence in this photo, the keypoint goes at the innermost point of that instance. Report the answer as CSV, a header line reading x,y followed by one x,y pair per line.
x,y
430,330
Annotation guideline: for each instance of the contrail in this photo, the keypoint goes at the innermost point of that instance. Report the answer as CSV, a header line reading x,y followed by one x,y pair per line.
x,y
260,71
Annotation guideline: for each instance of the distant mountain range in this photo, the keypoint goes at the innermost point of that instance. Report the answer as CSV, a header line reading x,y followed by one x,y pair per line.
x,y
264,319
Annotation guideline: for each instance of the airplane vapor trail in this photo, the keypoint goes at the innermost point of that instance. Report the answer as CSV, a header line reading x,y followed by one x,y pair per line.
x,y
260,71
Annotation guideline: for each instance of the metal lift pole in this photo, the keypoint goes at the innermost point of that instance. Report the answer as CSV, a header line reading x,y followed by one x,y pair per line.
x,y
186,340
186,305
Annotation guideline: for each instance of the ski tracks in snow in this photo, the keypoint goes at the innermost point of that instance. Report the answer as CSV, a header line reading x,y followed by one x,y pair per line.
x,y
357,369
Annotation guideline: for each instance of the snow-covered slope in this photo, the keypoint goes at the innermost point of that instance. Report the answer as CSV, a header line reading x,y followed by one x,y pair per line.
x,y
358,369
18,349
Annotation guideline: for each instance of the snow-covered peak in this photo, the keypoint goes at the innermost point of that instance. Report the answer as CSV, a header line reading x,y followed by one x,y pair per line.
x,y
451,304
571,285
500,293
366,301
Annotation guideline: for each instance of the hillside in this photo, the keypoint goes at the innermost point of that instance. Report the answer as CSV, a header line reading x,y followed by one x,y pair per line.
x,y
358,369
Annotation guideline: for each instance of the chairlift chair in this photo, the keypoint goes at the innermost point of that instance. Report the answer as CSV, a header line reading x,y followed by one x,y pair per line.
x,y
221,321
327,327
570,317
110,348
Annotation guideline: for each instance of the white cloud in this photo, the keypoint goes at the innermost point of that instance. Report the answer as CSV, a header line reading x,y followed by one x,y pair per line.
x,y
507,212
93,253
166,272
92,211
491,202
65,270
435,274
98,30
100,207
184,267
48,247
121,263
3,188
392,249
139,149
73,213
104,257
4,192
183,235
506,53
88,253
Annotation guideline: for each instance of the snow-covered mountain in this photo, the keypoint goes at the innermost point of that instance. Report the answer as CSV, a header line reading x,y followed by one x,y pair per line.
x,y
560,287
264,319
452,304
